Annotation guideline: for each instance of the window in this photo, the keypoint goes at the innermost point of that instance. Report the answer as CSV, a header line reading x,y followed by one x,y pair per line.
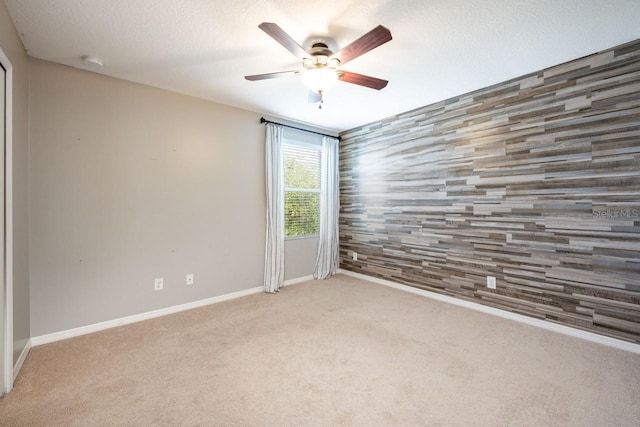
x,y
301,189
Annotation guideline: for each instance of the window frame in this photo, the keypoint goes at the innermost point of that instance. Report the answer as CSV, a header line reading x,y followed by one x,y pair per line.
x,y
304,140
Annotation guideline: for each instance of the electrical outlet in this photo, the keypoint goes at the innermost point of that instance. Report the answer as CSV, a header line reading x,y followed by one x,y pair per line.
x,y
190,279
355,256
158,284
491,282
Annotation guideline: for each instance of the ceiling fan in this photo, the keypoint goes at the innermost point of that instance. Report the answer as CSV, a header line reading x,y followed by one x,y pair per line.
x,y
320,65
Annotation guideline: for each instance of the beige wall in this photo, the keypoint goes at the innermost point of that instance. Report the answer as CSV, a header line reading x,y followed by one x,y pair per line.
x,y
129,183
12,47
300,257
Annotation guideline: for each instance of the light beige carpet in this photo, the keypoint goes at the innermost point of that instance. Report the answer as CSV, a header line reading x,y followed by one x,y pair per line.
x,y
338,352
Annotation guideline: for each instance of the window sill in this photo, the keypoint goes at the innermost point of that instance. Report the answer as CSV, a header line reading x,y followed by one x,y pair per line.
x,y
311,236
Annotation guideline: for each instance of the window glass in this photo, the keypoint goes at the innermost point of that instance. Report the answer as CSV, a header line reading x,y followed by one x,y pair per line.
x,y
302,190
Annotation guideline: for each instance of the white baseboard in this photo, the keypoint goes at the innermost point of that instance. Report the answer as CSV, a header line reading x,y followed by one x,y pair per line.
x,y
297,280
554,327
83,330
21,359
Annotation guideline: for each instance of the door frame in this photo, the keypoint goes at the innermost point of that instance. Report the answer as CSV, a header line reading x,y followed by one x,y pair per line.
x,y
7,358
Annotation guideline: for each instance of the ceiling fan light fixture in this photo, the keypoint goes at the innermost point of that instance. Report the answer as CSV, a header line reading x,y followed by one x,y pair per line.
x,y
319,79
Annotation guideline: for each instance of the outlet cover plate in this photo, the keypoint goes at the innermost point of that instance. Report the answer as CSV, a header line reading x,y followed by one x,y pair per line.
x,y
190,279
158,284
491,282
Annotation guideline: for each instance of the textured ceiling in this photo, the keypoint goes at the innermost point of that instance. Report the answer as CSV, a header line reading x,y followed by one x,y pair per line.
x,y
440,48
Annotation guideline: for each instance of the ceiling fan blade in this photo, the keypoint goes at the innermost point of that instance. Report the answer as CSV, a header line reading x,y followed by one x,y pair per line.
x,y
362,80
314,97
374,38
270,75
284,39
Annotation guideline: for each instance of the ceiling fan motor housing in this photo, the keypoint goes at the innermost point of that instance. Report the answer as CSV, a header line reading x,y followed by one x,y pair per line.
x,y
320,57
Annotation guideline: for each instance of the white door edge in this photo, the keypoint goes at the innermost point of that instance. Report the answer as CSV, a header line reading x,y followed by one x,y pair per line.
x,y
7,358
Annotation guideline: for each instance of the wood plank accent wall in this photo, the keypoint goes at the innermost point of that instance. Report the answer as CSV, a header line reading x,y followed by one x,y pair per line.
x,y
535,181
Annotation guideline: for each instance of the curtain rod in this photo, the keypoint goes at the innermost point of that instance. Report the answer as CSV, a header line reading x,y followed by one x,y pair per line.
x,y
263,120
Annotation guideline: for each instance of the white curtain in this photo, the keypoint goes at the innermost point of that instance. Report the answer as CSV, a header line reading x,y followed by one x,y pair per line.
x,y
327,259
274,252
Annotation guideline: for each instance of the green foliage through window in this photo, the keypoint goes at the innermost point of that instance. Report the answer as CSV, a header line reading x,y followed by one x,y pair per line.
x,y
302,190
